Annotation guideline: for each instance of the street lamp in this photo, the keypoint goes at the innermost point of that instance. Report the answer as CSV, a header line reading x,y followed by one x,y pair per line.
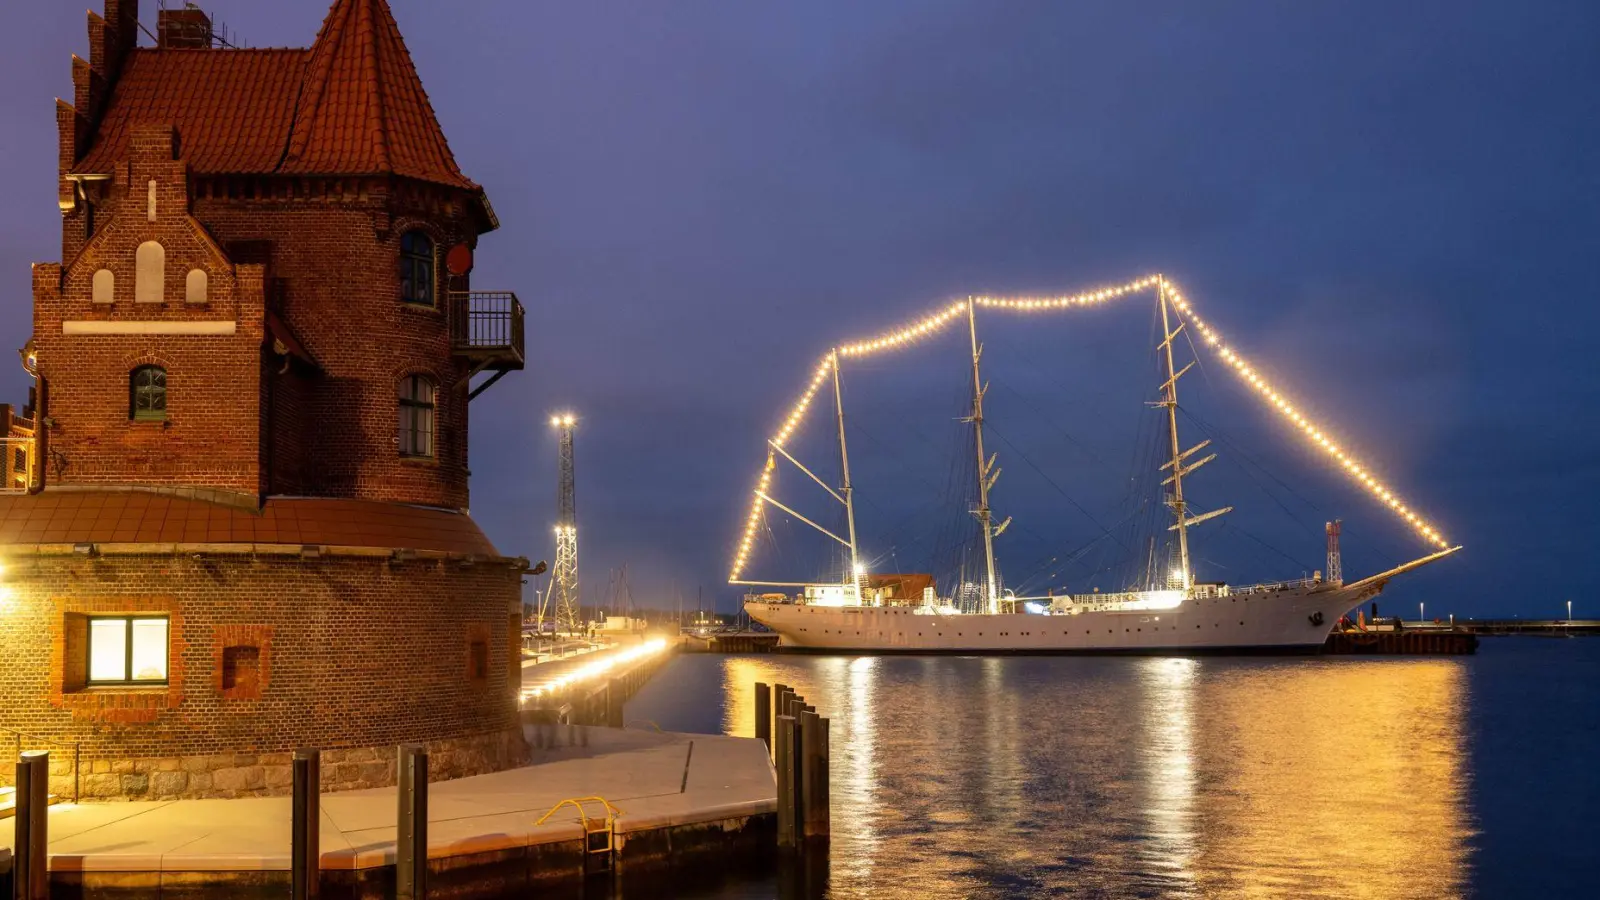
x,y
1420,614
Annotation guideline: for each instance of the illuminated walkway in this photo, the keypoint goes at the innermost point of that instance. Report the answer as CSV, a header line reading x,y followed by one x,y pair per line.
x,y
655,779
541,679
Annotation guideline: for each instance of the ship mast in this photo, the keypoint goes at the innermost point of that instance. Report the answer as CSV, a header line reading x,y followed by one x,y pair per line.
x,y
985,481
854,575
1170,401
1185,573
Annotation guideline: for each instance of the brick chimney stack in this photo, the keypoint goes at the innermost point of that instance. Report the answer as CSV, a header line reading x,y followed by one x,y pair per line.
x,y
187,28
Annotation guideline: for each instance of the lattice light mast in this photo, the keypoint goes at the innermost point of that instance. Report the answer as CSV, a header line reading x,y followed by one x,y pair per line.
x,y
1335,564
564,577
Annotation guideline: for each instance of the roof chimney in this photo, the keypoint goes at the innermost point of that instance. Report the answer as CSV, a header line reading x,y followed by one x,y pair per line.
x,y
187,28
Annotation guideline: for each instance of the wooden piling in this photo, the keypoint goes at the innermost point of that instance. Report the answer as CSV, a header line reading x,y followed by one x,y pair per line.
x,y
763,721
306,852
30,875
788,825
411,837
813,776
823,821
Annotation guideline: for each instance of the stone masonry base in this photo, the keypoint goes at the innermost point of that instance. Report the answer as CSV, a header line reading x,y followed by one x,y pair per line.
x,y
226,775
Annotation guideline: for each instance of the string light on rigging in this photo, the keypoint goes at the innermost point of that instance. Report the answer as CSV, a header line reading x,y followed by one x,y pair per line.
x,y
1287,409
1210,336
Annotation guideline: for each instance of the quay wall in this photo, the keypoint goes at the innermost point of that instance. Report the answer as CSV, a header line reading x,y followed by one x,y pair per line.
x,y
348,654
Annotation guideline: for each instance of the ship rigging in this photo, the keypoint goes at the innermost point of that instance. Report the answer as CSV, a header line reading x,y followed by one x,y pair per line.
x,y
1326,598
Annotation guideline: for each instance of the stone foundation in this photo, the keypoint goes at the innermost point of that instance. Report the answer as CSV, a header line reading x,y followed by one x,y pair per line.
x,y
227,775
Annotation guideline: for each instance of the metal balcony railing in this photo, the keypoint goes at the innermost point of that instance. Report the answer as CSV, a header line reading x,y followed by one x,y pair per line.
x,y
487,326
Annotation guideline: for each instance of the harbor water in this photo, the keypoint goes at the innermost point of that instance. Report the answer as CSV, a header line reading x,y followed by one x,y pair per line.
x,y
1023,777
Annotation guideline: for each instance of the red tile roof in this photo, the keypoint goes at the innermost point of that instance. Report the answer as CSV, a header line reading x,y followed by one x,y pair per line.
x,y
66,516
351,105
232,107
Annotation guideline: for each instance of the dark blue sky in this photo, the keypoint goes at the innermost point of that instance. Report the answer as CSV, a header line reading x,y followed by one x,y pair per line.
x,y
1393,208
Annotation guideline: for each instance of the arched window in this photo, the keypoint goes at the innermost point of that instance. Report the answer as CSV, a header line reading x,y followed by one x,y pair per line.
x,y
150,273
105,286
416,268
147,394
194,286
416,415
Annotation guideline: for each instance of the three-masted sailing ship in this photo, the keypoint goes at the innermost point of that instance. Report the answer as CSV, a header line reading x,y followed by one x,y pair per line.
x,y
1178,615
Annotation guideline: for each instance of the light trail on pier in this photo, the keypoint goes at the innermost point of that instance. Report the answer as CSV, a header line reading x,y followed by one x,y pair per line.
x,y
592,670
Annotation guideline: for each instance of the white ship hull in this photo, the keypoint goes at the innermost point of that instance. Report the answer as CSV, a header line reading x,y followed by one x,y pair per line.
x,y
1294,619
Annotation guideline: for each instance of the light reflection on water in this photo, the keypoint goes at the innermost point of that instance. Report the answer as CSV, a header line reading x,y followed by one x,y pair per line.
x,y
1069,776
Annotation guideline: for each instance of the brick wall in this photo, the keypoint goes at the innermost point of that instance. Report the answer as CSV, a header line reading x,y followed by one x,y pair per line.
x,y
211,435
334,249
324,254
354,654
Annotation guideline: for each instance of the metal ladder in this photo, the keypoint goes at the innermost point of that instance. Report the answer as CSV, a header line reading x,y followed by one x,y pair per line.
x,y
599,832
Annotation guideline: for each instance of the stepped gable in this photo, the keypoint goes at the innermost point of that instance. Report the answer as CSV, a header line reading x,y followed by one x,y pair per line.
x,y
353,104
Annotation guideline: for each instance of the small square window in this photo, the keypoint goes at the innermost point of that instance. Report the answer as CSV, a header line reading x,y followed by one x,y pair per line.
x,y
241,668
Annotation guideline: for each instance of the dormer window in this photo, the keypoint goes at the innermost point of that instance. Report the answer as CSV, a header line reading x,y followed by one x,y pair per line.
x,y
147,394
416,268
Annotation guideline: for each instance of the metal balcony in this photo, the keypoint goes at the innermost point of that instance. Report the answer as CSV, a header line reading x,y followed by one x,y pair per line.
x,y
486,328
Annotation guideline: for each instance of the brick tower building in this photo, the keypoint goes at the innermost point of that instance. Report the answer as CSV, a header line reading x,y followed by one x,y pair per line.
x,y
234,517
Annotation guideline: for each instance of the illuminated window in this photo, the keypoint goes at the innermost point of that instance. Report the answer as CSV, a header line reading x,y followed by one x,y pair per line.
x,y
127,650
416,268
416,415
147,394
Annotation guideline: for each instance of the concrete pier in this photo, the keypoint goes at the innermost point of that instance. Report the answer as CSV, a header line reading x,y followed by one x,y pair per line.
x,y
731,642
682,799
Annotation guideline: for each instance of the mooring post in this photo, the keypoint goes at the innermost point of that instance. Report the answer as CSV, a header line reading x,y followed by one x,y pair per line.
x,y
30,875
306,853
411,836
784,748
764,714
808,772
798,782
815,781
